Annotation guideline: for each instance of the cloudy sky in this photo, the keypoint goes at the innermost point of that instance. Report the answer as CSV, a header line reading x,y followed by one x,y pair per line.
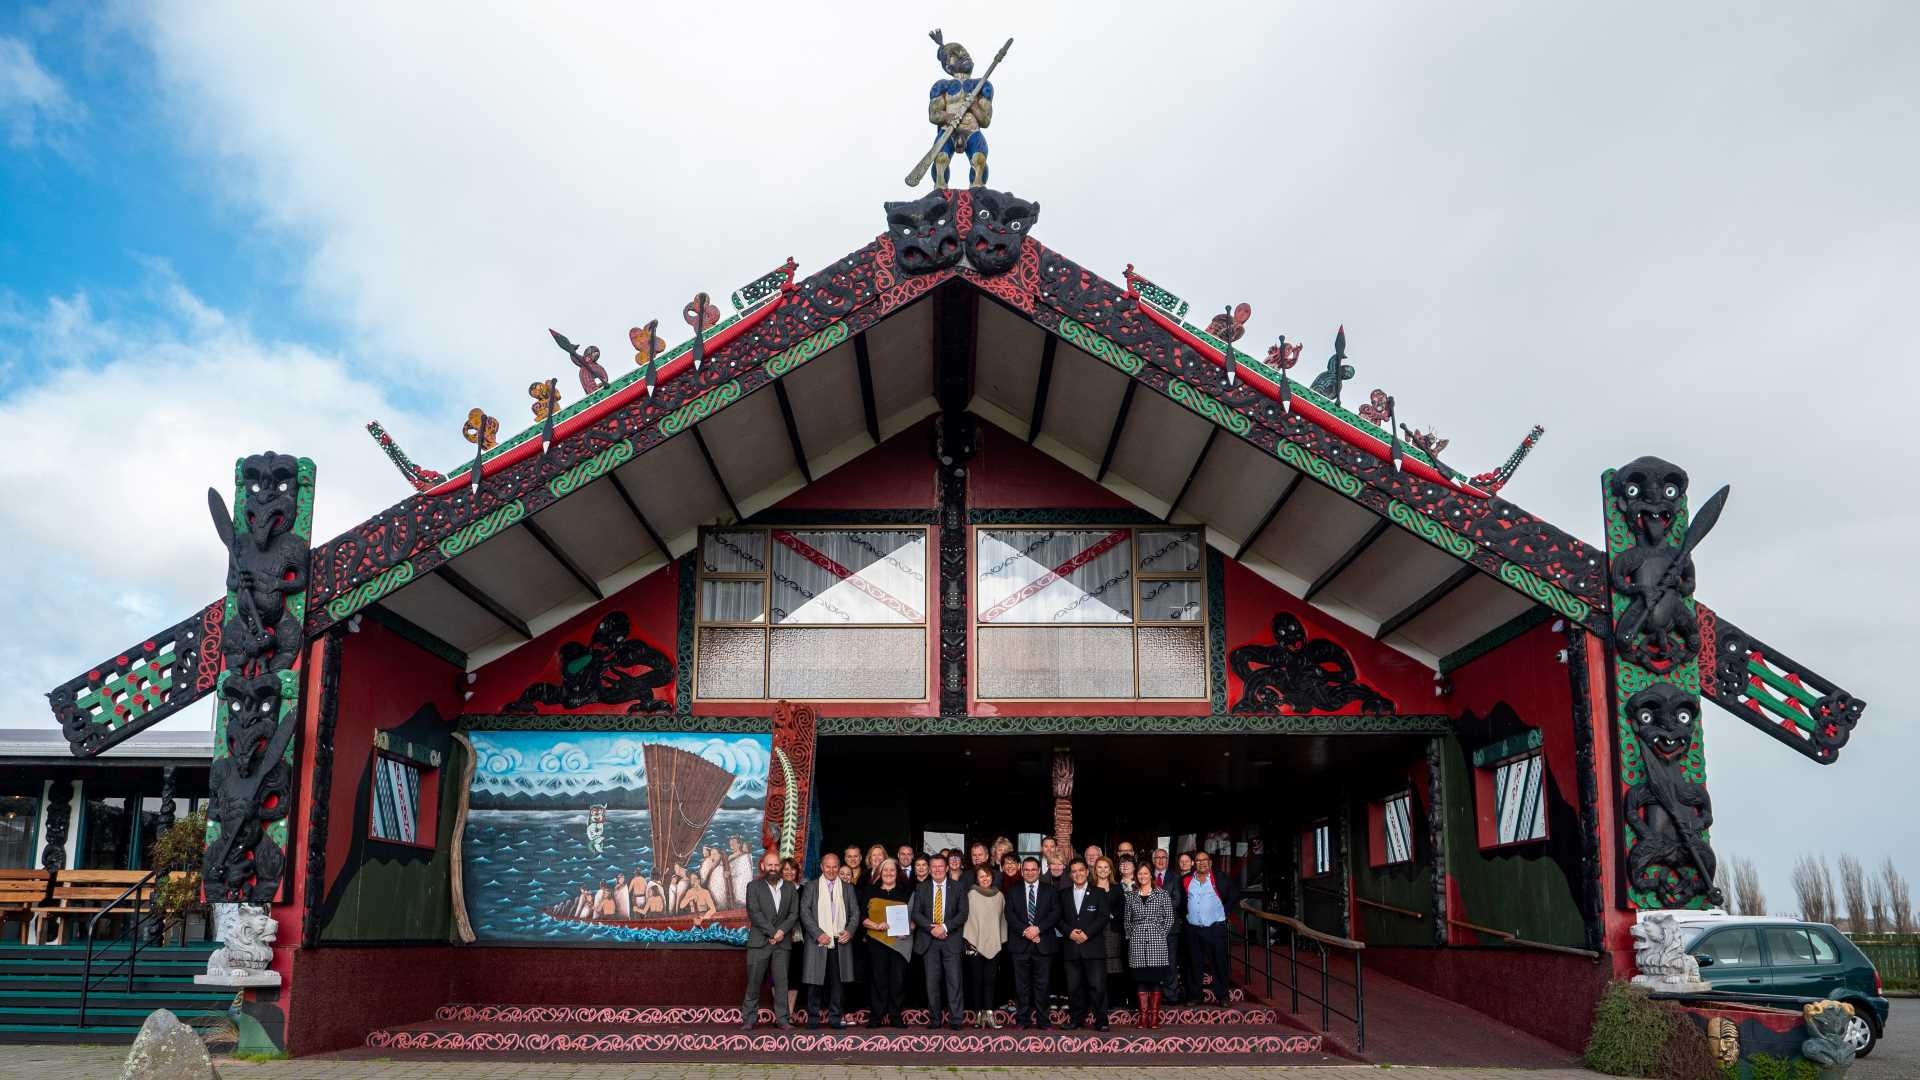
x,y
1686,231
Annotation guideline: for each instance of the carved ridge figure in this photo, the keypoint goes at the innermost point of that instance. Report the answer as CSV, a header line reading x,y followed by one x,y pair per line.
x,y
613,669
1669,814
945,104
1300,674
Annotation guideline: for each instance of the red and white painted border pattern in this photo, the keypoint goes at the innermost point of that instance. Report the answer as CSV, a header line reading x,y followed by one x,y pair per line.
x,y
682,1016
807,1042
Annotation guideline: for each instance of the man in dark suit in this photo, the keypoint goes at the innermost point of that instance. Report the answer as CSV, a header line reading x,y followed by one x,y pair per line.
x,y
1167,876
828,917
1033,914
1085,948
773,910
1209,899
938,914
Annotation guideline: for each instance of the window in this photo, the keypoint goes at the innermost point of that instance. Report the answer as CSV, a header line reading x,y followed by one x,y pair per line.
x,y
1735,947
1517,803
396,800
150,827
1395,837
19,819
1789,946
107,839
1084,613
1316,850
831,614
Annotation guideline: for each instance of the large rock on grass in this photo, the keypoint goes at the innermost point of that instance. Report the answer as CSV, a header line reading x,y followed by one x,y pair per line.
x,y
167,1049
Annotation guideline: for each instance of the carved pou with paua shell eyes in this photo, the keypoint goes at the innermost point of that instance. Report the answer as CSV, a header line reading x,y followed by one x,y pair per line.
x,y
999,225
272,483
1647,492
1668,813
925,235
1663,716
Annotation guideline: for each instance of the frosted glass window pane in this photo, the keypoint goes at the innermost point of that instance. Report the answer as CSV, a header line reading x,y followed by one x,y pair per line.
x,y
1170,552
1055,662
833,662
732,664
1054,575
1173,662
734,552
1172,599
843,576
729,601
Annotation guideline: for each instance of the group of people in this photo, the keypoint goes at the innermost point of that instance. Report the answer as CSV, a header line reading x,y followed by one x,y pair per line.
x,y
1153,927
718,884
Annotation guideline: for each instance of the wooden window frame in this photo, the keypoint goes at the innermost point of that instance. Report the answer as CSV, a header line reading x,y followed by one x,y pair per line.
x,y
1487,800
426,812
1379,853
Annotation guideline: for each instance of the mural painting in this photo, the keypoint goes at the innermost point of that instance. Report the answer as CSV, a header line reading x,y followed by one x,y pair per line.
x,y
613,837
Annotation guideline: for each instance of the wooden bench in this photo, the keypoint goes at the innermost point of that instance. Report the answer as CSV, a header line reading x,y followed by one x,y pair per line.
x,y
78,893
20,892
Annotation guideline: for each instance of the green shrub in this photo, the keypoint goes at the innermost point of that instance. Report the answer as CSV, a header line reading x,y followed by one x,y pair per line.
x,y
1768,1067
1634,1035
178,852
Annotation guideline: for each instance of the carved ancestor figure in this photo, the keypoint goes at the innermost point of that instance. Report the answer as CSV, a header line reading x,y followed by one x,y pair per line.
x,y
1826,1045
1669,814
1300,674
1000,222
267,563
613,669
925,235
1647,492
947,101
246,942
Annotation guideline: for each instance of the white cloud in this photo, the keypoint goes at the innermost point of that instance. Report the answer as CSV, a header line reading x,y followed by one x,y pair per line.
x,y
1694,241
34,105
109,449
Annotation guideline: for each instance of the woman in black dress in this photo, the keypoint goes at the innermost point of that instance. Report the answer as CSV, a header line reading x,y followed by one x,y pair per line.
x,y
886,968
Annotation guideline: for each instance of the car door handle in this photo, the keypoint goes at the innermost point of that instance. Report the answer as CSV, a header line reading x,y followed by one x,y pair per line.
x,y
1753,980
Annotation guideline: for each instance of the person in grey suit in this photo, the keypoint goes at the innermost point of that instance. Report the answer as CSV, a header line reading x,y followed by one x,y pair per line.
x,y
773,910
939,915
828,914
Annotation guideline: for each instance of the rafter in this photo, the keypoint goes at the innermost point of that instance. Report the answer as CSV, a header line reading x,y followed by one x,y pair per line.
x,y
714,471
1273,511
1192,473
1119,423
793,430
485,601
634,508
1419,607
1041,388
865,366
545,540
417,634
1346,558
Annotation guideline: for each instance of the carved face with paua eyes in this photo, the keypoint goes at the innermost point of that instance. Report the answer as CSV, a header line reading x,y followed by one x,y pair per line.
x,y
1647,492
925,235
253,712
1000,222
1663,717
272,483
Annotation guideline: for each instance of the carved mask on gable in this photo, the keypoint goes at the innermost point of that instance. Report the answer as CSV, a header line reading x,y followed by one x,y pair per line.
x,y
925,235
1000,222
272,484
1663,716
1647,492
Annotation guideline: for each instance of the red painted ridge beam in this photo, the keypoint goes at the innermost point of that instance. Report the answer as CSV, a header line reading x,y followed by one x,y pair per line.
x,y
582,419
1332,424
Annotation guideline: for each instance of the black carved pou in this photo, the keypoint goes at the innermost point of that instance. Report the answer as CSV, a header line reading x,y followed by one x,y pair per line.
x,y
613,669
925,235
1647,492
999,226
1300,673
268,563
1669,814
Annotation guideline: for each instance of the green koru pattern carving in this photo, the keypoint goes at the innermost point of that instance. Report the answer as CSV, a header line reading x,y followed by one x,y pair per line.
x,y
1429,530
806,350
1159,297
480,530
1205,405
1313,465
789,805
368,591
1551,595
591,469
701,407
1095,345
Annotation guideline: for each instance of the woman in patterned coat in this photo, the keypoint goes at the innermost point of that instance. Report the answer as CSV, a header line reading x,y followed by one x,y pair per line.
x,y
1149,920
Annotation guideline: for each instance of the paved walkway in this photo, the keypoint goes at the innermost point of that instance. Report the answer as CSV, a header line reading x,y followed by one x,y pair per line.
x,y
103,1063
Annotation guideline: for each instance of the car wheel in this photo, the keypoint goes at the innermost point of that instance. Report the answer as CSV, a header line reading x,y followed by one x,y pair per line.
x,y
1860,1035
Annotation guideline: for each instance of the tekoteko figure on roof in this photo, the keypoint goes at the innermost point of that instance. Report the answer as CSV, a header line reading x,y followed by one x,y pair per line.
x,y
947,101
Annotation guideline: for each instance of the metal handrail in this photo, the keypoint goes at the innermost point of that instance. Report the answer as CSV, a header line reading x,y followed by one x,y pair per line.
x,y
137,918
1515,939
1297,932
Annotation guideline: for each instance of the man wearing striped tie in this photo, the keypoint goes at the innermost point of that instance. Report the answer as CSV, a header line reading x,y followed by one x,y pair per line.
x,y
938,914
1033,914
